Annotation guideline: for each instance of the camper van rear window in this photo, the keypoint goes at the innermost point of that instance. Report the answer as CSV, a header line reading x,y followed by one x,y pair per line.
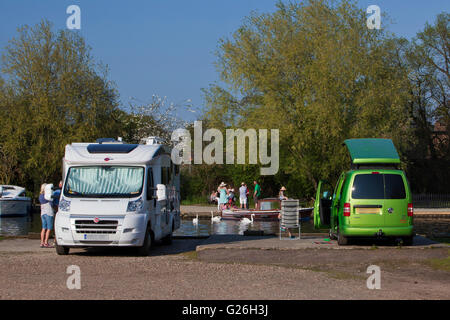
x,y
111,148
378,186
104,182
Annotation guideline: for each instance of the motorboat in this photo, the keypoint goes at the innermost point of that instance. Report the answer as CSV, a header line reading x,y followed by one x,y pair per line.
x,y
268,210
13,202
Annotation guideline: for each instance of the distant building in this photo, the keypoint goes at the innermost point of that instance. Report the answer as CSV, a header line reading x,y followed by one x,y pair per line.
x,y
441,139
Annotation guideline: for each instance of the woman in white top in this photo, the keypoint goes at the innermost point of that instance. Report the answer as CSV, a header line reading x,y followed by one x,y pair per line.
x,y
46,217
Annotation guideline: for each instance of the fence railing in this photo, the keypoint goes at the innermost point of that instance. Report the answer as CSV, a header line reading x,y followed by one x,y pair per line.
x,y
431,200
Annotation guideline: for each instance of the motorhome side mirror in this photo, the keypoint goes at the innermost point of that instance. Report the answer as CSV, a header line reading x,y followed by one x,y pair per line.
x,y
48,192
161,192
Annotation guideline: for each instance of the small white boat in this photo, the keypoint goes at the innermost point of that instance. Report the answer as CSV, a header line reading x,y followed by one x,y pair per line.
x,y
13,202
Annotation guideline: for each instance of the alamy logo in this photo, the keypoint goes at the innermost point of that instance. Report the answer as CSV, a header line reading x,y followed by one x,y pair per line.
x,y
374,20
74,20
374,280
74,280
213,152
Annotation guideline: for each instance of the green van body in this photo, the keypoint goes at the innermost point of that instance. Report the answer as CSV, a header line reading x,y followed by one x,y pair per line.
x,y
374,195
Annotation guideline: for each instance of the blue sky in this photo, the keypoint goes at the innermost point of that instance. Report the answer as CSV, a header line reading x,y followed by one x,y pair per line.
x,y
166,47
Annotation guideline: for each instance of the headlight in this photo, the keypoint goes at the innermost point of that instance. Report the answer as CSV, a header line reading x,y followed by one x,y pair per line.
x,y
135,205
64,205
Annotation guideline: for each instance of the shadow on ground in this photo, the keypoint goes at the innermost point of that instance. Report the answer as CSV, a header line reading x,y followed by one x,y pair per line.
x,y
179,245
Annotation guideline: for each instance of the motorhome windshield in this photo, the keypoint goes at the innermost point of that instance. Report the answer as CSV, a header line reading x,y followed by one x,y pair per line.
x,y
104,182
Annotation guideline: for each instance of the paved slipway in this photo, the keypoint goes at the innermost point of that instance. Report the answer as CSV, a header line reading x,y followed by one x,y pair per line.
x,y
226,268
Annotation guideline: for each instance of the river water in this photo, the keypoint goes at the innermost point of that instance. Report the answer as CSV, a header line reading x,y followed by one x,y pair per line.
x,y
24,225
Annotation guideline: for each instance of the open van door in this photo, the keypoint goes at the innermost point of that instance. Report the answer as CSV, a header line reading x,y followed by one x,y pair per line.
x,y
322,205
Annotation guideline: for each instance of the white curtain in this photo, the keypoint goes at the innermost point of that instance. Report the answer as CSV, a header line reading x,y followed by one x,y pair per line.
x,y
105,180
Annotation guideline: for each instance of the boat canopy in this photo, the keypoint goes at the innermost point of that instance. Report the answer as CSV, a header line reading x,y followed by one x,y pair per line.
x,y
372,151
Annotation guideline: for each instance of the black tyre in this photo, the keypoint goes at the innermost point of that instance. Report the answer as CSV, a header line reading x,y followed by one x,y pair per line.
x,y
61,250
408,241
342,240
169,238
144,250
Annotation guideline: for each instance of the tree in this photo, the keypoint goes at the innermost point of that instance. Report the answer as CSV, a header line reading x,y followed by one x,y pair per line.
x,y
55,93
154,118
426,60
315,71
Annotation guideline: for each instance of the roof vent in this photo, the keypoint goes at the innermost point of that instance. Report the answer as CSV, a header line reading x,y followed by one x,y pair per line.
x,y
105,140
152,140
109,148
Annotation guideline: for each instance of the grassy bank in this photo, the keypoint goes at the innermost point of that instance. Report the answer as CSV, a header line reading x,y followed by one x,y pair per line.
x,y
194,201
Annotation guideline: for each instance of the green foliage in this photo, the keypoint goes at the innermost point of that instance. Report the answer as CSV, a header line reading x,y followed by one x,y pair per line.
x,y
55,94
316,72
311,69
426,60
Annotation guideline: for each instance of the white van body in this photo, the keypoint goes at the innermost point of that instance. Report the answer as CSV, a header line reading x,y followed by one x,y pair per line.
x,y
109,195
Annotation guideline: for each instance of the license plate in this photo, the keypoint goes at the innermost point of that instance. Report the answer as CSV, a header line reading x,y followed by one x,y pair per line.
x,y
94,236
367,210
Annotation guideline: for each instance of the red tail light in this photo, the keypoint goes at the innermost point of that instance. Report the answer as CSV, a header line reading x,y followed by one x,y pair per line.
x,y
410,210
375,172
347,209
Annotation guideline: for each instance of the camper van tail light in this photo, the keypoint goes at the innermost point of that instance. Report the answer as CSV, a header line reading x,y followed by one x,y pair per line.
x,y
136,205
410,210
64,205
347,209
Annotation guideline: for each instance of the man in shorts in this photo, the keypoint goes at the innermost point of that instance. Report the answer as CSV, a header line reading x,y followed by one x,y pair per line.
x,y
243,195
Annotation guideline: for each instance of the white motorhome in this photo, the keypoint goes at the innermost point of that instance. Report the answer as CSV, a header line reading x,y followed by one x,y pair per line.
x,y
117,194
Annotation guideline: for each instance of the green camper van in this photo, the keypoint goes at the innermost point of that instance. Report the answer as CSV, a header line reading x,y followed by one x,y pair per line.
x,y
372,199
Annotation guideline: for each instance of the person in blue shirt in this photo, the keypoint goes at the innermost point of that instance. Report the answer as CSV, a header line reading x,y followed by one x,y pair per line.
x,y
57,196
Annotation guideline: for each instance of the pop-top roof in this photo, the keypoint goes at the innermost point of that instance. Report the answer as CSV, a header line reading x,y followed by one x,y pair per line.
x,y
372,151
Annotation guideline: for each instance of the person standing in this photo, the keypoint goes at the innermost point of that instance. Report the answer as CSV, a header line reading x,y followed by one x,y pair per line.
x,y
223,197
57,196
281,194
231,198
243,196
256,194
46,218
247,206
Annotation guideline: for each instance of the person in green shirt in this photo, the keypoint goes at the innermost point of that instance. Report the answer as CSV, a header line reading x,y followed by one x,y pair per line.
x,y
256,194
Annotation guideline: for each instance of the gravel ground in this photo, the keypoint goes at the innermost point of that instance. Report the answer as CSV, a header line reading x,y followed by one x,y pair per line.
x,y
179,272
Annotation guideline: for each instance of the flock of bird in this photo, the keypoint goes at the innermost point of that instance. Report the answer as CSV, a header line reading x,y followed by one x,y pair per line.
x,y
216,219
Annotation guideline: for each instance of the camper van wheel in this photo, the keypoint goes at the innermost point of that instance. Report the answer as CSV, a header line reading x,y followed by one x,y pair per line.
x,y
147,245
407,241
342,240
61,250
168,239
